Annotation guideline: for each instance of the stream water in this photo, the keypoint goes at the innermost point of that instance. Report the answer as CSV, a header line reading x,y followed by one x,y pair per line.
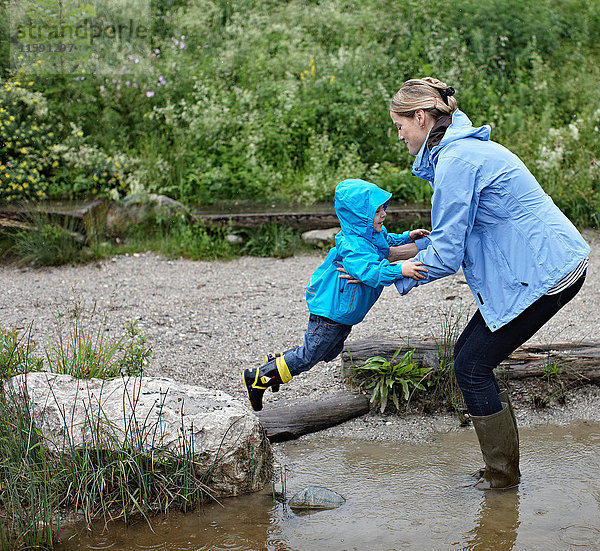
x,y
400,495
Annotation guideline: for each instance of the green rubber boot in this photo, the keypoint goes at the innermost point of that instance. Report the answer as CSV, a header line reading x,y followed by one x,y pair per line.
x,y
257,380
499,442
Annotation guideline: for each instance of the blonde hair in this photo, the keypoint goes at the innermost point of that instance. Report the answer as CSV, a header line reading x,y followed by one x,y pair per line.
x,y
429,94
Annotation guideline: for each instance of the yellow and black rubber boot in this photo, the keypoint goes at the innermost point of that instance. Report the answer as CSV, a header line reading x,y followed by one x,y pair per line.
x,y
257,380
266,359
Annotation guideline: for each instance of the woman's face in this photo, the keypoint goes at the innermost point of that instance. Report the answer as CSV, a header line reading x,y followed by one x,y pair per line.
x,y
412,130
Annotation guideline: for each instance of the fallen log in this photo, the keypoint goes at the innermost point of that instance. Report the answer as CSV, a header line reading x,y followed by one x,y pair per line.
x,y
88,216
575,361
290,421
303,221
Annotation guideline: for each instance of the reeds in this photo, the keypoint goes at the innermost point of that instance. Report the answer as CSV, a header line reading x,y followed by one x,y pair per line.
x,y
121,470
86,353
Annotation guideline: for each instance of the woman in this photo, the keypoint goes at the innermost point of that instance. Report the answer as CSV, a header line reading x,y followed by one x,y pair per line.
x,y
521,256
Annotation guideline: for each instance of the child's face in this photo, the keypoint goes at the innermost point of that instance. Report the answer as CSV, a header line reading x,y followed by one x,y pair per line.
x,y
380,215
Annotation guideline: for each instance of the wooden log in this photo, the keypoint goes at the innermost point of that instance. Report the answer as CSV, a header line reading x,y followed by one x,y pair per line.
x,y
87,215
305,220
304,416
576,361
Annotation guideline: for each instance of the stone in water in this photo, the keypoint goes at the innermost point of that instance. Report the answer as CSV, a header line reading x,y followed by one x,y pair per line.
x,y
315,497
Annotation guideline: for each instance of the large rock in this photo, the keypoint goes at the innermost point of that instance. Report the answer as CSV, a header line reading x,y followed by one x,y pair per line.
x,y
137,208
226,436
320,237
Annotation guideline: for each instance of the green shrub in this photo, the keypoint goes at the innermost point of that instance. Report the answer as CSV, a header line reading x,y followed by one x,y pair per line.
x,y
390,379
177,236
271,239
280,101
26,136
40,158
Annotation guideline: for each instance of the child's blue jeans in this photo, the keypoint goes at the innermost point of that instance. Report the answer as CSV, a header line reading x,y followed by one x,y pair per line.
x,y
323,341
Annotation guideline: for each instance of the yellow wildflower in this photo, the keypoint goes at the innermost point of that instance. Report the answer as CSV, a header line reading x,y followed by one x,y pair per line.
x,y
80,133
54,164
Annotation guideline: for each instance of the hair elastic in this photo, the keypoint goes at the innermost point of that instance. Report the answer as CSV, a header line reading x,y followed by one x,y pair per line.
x,y
446,93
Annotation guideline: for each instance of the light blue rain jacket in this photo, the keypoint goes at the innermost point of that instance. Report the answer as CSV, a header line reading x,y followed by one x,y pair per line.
x,y
362,252
489,214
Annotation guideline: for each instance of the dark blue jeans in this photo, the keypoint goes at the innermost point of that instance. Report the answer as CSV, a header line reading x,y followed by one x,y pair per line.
x,y
323,341
478,350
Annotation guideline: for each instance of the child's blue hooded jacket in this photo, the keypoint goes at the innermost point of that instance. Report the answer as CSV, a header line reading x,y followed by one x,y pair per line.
x,y
362,252
490,216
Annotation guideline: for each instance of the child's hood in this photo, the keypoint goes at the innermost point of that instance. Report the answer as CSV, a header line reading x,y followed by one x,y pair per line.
x,y
356,202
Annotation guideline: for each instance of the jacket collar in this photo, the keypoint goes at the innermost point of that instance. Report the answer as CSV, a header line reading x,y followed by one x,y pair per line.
x,y
460,127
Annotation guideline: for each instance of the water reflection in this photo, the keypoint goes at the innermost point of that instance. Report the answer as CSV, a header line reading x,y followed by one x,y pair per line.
x,y
497,522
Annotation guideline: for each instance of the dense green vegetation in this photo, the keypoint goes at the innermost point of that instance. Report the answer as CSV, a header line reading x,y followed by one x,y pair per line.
x,y
264,100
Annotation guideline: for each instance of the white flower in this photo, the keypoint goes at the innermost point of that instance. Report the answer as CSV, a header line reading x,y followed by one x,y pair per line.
x,y
574,131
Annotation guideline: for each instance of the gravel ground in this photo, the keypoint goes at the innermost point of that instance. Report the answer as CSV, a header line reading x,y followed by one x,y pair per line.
x,y
206,321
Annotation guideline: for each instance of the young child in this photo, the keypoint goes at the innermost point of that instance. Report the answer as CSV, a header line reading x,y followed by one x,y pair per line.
x,y
361,249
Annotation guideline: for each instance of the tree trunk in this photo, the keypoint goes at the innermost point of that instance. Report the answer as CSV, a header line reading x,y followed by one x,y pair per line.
x,y
287,422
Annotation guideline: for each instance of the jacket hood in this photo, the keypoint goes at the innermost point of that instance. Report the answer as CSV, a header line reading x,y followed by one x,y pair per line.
x,y
461,127
356,202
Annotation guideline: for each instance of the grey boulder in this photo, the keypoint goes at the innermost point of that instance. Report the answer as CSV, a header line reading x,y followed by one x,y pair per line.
x,y
154,412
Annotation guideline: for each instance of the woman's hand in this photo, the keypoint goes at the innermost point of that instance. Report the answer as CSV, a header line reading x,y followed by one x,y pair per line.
x,y
414,269
418,234
346,275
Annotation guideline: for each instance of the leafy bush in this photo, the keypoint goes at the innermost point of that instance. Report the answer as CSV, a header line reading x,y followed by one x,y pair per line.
x,y
391,379
271,239
176,236
26,138
40,159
